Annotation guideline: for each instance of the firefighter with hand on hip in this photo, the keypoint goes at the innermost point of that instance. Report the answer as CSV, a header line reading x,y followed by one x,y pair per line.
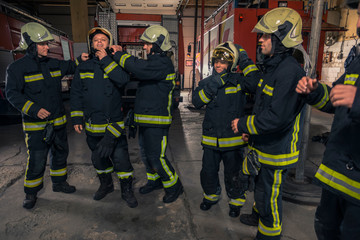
x,y
274,129
96,99
224,97
33,86
337,216
153,106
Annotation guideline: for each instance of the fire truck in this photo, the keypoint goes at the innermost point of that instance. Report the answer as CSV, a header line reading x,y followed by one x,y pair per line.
x,y
12,19
127,30
235,20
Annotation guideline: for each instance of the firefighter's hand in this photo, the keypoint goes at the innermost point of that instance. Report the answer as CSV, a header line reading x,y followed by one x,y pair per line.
x,y
242,53
343,95
116,48
306,85
43,113
101,53
78,128
245,137
84,57
234,124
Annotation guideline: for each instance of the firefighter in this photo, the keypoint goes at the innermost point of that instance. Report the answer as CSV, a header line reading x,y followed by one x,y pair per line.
x,y
224,97
275,126
33,86
337,216
96,101
153,106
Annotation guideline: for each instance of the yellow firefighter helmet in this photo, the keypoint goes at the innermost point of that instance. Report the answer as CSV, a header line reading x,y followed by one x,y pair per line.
x,y
285,23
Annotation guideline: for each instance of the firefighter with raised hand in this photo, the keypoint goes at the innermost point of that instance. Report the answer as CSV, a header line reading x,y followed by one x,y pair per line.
x,y
153,106
224,97
337,216
33,86
274,129
96,102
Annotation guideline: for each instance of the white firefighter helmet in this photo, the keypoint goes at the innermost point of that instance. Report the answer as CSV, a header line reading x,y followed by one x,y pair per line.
x,y
227,52
97,30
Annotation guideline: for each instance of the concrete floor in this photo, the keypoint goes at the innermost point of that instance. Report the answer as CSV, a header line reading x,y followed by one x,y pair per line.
x,y
78,216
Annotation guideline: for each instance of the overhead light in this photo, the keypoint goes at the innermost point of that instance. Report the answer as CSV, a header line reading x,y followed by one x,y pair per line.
x,y
168,5
136,5
120,4
282,4
152,5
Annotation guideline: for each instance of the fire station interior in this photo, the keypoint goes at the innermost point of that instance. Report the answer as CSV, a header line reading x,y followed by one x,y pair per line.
x,y
196,27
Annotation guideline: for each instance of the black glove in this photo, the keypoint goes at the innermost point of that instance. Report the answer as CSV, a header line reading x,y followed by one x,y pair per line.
x,y
106,146
215,82
130,122
49,133
253,168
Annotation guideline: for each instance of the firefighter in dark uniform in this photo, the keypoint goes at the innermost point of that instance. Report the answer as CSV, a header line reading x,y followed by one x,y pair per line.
x,y
224,97
337,216
96,101
276,123
33,86
153,107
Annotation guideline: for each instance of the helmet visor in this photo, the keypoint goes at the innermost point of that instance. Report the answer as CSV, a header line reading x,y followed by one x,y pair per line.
x,y
223,55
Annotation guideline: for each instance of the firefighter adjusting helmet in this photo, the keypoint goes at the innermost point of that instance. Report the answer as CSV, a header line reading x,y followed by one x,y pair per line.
x,y
158,35
353,4
226,52
284,23
95,31
33,32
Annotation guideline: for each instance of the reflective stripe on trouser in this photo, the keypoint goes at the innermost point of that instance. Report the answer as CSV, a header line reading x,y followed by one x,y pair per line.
x,y
268,193
209,176
336,218
119,160
155,144
37,157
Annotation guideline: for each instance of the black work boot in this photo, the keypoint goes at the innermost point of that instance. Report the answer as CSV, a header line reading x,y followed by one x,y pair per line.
x,y
250,219
29,201
106,186
171,194
206,204
63,187
127,192
151,186
234,211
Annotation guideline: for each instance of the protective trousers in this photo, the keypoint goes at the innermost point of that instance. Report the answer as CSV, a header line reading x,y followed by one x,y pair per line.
x,y
209,177
268,202
118,161
155,144
336,218
37,157
152,176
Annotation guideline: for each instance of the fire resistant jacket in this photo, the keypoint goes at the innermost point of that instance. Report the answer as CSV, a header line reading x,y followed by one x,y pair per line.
x,y
275,126
340,168
97,99
153,102
224,106
33,83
